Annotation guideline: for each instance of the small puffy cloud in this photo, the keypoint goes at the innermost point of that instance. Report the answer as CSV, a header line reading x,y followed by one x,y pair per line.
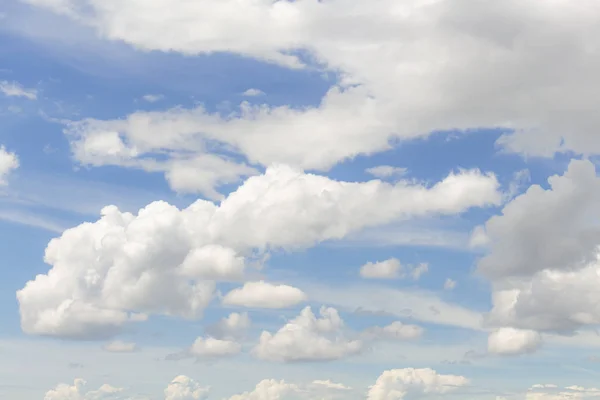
x,y
449,284
386,171
262,294
511,341
152,98
185,388
118,346
270,389
418,270
554,392
388,269
405,383
15,89
210,347
77,391
231,327
328,384
308,338
395,331
253,92
8,163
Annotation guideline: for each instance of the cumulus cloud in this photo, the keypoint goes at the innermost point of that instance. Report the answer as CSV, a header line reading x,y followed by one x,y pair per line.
x,y
15,89
262,294
118,346
77,391
231,327
543,255
210,347
405,383
252,92
271,389
308,338
164,260
449,284
185,388
388,269
553,392
8,163
152,98
510,341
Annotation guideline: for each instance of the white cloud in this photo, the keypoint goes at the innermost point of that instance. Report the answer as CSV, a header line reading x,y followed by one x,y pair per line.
x,y
252,92
270,389
510,341
77,392
210,347
388,269
449,284
308,338
15,89
330,385
231,327
118,346
419,270
440,64
543,255
386,171
163,260
8,163
262,294
185,388
407,383
553,392
395,331
153,98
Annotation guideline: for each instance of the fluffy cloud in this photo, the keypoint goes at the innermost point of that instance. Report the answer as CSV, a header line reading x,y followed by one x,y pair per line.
x,y
185,388
77,392
449,284
543,255
399,384
308,338
8,163
231,327
15,89
510,341
262,294
388,269
253,92
395,331
163,260
210,347
118,346
440,65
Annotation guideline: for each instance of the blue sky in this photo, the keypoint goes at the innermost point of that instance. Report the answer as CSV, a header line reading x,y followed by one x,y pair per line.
x,y
258,126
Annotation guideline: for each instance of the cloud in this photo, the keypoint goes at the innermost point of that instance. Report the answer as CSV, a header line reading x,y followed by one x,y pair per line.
x,y
450,65
419,270
210,347
271,389
405,383
553,392
262,294
394,331
253,92
308,338
388,269
449,284
77,392
231,327
386,171
543,255
15,89
118,346
8,163
164,260
185,388
152,98
510,341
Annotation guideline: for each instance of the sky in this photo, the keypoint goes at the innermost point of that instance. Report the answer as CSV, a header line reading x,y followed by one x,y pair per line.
x,y
309,199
